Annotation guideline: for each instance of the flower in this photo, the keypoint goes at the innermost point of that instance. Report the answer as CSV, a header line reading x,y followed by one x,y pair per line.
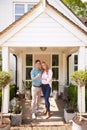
x,y
16,109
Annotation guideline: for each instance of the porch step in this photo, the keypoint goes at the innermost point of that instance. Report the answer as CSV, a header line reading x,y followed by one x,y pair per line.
x,y
65,127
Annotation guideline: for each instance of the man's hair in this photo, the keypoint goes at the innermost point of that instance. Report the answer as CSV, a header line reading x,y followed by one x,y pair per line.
x,y
37,61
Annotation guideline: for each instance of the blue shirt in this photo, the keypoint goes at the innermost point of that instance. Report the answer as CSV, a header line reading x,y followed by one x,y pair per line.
x,y
34,72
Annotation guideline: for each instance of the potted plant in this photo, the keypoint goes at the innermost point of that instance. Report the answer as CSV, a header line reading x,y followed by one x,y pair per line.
x,y
27,85
71,103
16,113
5,79
69,111
55,89
80,78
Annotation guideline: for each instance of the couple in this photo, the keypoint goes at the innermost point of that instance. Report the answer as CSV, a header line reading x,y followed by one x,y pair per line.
x,y
41,77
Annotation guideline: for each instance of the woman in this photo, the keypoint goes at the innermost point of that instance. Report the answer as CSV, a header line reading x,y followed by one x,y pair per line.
x,y
46,87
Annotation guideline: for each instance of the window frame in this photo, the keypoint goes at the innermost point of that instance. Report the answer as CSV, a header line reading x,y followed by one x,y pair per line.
x,y
53,67
30,66
75,65
25,8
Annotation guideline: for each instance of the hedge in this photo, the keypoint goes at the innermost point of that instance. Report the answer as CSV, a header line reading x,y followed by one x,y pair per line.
x,y
72,94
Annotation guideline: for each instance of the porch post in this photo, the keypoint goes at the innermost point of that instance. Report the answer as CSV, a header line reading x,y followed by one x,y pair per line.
x,y
20,72
5,67
62,77
81,66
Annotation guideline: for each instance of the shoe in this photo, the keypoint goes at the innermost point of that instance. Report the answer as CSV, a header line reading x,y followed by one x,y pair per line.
x,y
47,115
45,112
33,116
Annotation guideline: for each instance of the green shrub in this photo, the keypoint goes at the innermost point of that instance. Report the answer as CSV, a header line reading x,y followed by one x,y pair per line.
x,y
72,93
72,97
13,90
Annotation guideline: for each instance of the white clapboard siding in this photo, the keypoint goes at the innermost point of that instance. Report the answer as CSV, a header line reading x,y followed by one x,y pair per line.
x,y
44,30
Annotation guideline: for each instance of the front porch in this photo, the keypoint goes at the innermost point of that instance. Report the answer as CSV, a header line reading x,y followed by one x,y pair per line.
x,y
55,122
57,59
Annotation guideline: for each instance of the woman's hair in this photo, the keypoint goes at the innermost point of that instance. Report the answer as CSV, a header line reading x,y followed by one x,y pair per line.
x,y
47,68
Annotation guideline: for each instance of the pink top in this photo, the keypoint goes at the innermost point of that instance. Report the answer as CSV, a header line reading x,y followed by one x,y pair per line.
x,y
47,77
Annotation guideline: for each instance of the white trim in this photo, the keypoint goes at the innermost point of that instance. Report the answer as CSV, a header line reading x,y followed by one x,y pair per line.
x,y
58,18
25,7
22,24
58,4
68,26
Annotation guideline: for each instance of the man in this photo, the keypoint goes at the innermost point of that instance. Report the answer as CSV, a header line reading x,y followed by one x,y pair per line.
x,y
36,87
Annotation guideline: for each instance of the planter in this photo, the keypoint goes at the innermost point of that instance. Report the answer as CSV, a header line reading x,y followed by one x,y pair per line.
x,y
6,124
55,94
79,125
16,119
27,95
68,116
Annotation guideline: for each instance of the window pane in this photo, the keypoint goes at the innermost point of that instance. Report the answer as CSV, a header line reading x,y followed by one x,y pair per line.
x,y
17,17
30,7
29,60
55,85
55,60
19,9
55,73
75,68
75,59
28,70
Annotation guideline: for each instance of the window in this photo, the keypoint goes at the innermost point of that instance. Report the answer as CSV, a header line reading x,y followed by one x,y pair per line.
x,y
20,9
29,7
55,70
29,65
75,62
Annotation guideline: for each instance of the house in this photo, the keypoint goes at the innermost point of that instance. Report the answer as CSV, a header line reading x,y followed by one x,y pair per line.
x,y
49,31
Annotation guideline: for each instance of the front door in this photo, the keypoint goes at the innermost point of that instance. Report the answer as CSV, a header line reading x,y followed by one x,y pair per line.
x,y
51,59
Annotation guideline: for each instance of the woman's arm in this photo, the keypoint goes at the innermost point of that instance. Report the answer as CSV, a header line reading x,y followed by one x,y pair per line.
x,y
49,77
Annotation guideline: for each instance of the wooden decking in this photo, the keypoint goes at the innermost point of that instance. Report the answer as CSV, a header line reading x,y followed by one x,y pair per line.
x,y
55,122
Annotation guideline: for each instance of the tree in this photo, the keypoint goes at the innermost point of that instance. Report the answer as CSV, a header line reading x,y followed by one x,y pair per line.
x,y
77,6
5,79
80,78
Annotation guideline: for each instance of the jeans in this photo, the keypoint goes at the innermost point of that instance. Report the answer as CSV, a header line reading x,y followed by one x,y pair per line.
x,y
46,89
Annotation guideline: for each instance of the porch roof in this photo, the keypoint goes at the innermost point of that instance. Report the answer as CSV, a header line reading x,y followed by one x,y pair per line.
x,y
75,36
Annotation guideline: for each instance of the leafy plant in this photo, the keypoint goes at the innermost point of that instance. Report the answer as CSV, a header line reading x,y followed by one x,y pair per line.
x,y
80,78
77,6
27,85
15,109
71,105
5,79
72,93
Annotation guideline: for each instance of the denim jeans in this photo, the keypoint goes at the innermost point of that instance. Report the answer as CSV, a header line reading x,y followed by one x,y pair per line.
x,y
46,89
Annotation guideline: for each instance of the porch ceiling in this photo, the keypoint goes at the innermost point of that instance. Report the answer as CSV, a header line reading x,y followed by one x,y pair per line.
x,y
66,50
